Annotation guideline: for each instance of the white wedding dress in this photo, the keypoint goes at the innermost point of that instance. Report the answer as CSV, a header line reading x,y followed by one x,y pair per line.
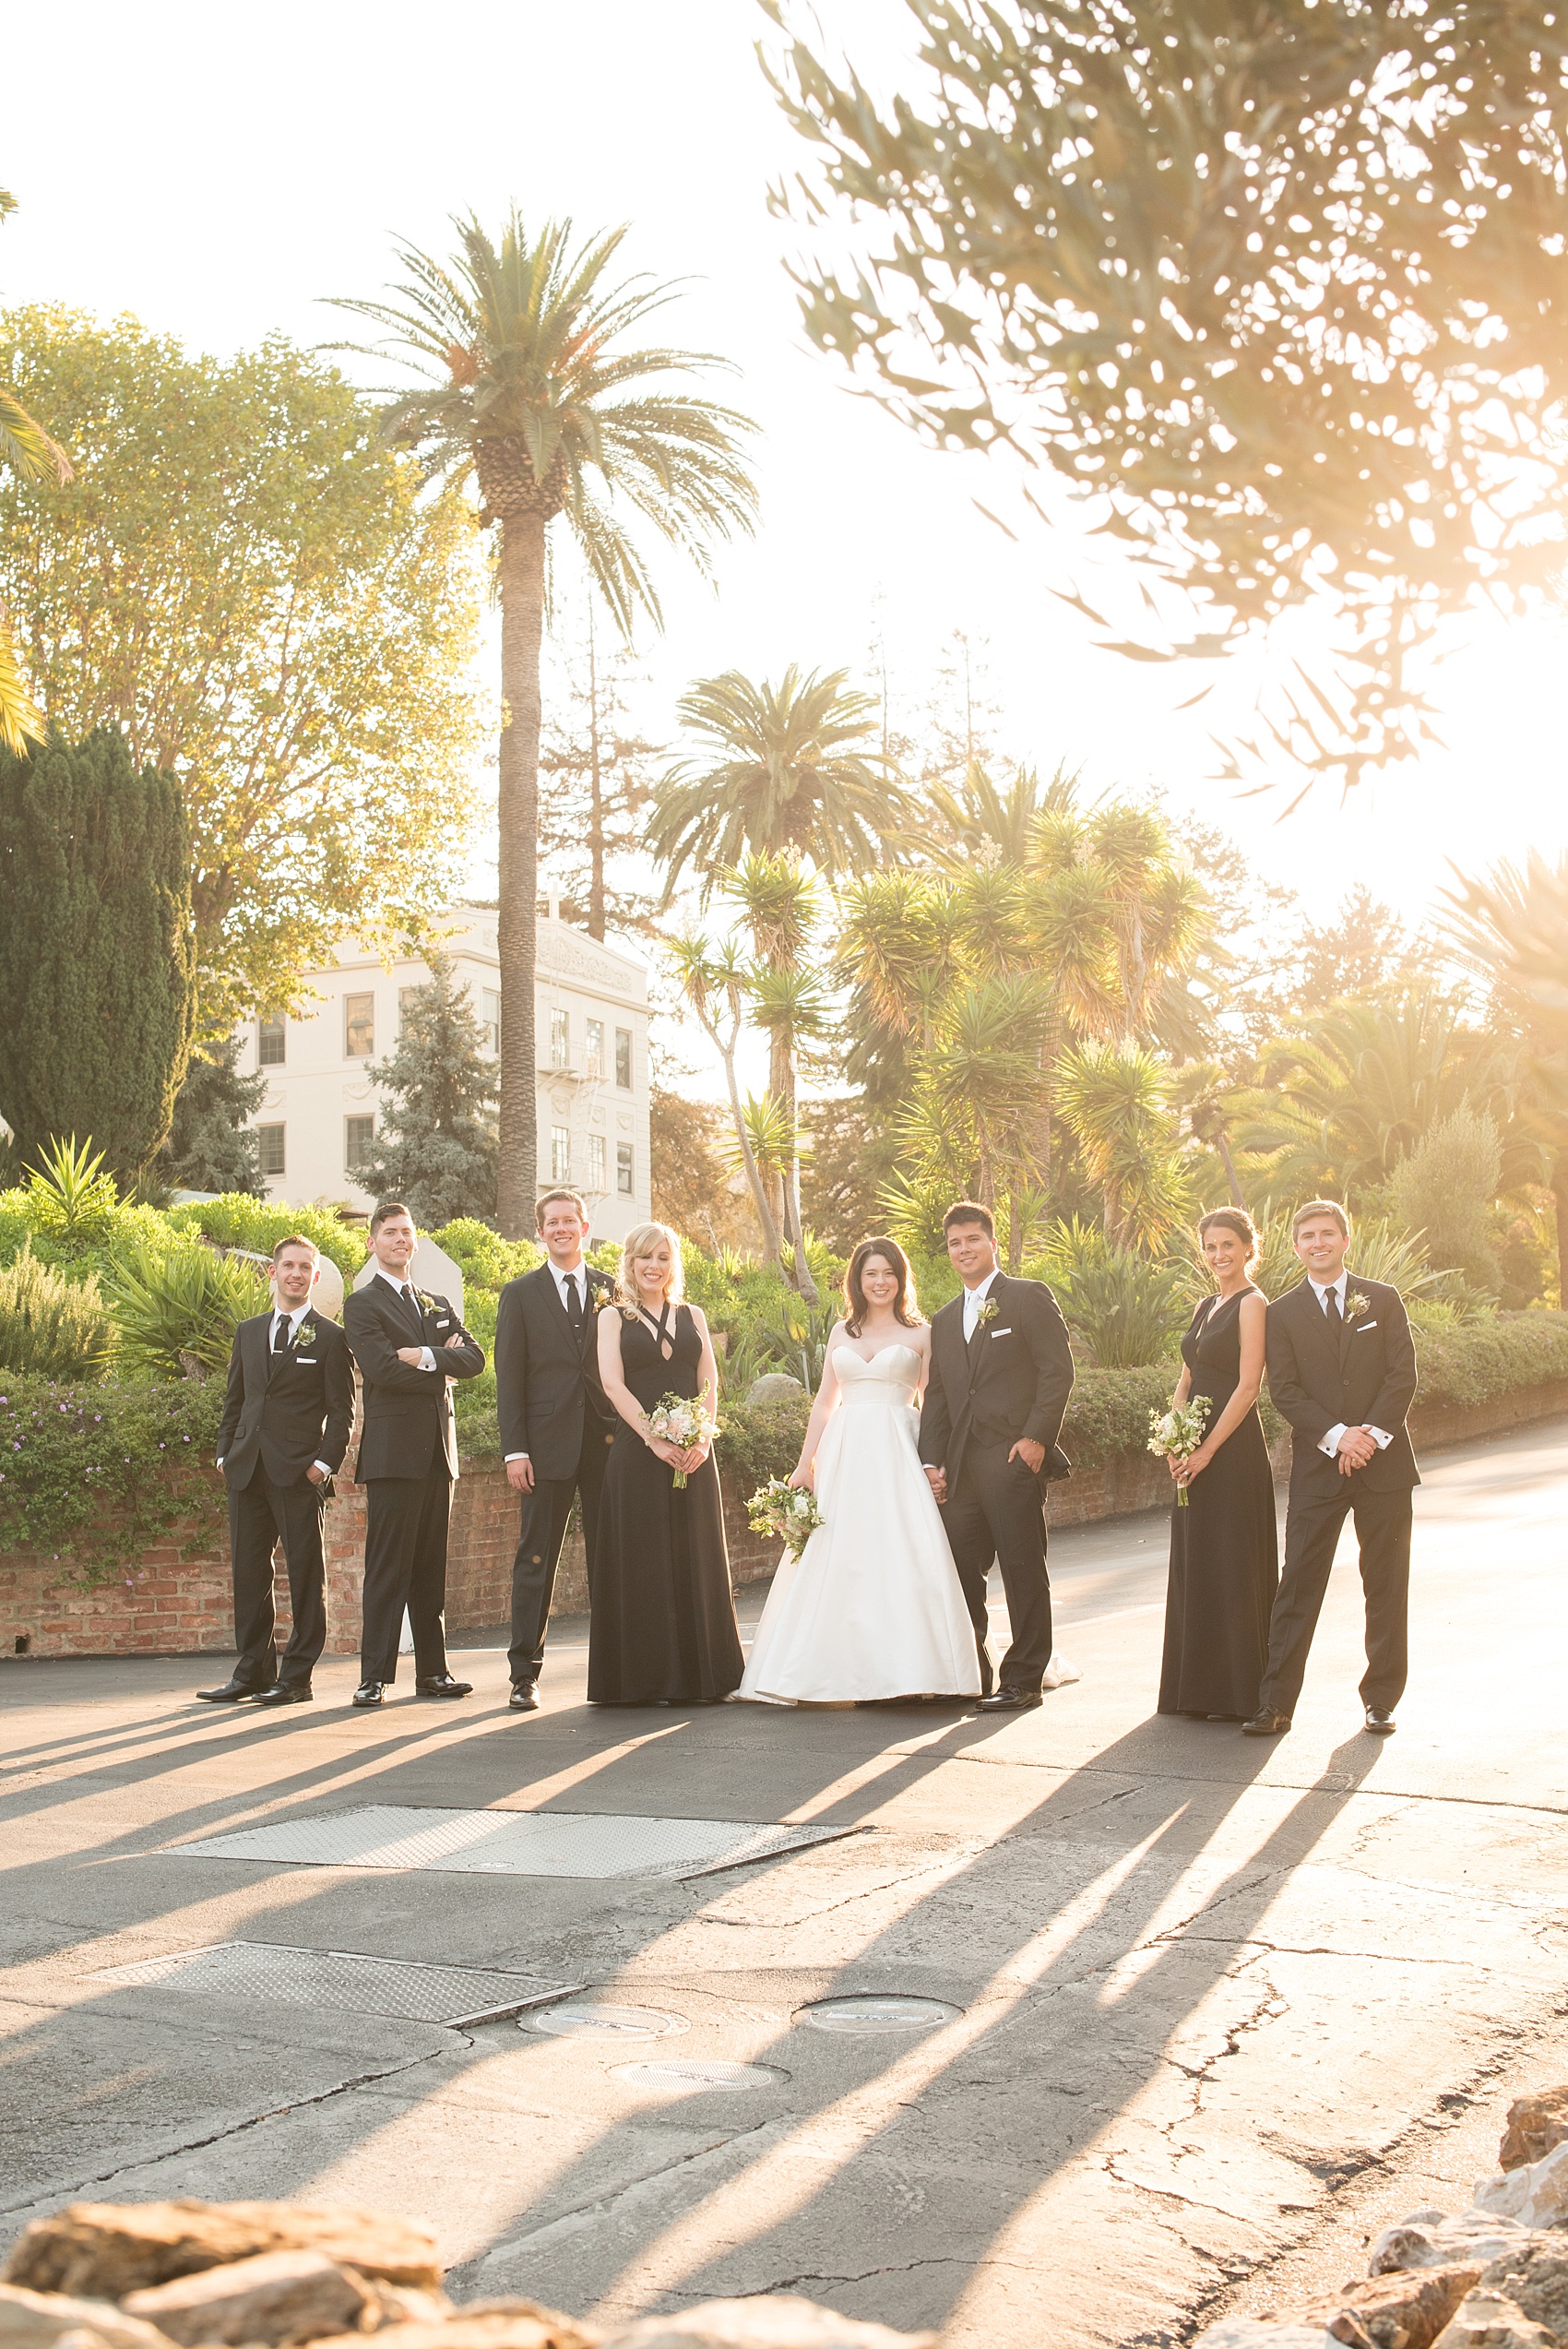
x,y
872,1607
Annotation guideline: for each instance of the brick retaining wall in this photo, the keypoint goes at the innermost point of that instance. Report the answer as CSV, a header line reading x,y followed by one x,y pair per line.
x,y
173,1604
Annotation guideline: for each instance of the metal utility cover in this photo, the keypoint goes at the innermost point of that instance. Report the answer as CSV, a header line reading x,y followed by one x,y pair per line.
x,y
503,1843
342,1980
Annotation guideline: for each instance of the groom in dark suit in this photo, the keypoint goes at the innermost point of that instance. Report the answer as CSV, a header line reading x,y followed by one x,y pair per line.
x,y
1342,1369
556,1425
410,1346
286,1418
1001,1374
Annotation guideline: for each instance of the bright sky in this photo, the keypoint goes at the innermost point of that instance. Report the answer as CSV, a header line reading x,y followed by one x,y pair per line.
x,y
215,172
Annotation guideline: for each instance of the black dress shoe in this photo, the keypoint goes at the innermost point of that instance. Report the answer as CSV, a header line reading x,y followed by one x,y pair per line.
x,y
1011,1700
287,1692
232,1691
524,1697
1381,1725
1266,1722
440,1683
368,1693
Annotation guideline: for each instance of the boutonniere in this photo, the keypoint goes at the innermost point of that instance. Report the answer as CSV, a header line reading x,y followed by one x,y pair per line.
x,y
987,1311
1356,1304
305,1334
425,1302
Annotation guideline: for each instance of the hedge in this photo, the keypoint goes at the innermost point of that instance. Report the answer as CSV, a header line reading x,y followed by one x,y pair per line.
x,y
1491,1357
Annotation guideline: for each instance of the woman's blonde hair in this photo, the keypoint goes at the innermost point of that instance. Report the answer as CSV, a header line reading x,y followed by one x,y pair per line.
x,y
636,1242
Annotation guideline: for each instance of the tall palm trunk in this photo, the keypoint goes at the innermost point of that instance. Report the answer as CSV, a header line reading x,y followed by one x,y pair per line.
x,y
781,1085
522,634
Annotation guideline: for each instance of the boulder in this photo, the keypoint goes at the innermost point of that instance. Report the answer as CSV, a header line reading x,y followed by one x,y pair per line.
x,y
773,2320
1491,2321
500,2324
38,2321
105,2249
1428,2239
1534,2125
774,1387
277,2296
1405,2310
1535,2277
400,2303
1535,2194
1263,2332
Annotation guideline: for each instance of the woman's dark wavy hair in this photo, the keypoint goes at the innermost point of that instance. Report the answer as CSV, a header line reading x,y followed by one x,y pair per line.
x,y
906,1304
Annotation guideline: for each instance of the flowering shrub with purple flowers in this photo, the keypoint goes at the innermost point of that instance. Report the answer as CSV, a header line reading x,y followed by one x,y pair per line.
x,y
92,1475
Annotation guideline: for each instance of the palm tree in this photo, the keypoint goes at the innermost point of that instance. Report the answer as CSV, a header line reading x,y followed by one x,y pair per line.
x,y
791,1006
787,769
713,983
780,903
531,386
983,1066
1112,1097
1209,1098
986,822
27,449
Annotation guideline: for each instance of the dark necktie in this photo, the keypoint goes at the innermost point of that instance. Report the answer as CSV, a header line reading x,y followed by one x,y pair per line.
x,y
408,1297
574,1303
1336,1319
281,1334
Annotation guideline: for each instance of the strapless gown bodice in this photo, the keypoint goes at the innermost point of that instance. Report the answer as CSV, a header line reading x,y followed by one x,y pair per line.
x,y
873,1608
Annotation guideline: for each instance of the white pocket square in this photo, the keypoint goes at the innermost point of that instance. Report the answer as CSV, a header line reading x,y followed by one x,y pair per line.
x,y
302,1358
1363,1326
1002,1333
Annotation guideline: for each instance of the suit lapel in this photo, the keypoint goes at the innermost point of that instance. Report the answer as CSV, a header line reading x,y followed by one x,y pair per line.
x,y
255,1336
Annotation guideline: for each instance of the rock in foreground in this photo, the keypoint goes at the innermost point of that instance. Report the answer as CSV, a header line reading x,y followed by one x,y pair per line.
x,y
105,2249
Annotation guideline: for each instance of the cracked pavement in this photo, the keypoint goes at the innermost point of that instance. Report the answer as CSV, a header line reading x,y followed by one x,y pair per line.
x,y
1220,2006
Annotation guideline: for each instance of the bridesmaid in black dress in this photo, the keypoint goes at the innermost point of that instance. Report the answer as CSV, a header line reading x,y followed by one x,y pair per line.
x,y
1225,1543
661,1627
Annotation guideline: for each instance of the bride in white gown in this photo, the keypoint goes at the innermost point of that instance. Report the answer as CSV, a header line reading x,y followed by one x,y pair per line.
x,y
873,1607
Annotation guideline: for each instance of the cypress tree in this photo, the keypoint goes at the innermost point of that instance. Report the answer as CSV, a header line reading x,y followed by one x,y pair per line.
x,y
97,951
435,1144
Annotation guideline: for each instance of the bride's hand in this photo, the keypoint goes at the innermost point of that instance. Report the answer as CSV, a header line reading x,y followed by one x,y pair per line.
x,y
803,1479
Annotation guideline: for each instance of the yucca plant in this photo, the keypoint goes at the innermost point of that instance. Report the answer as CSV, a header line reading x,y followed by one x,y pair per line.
x,y
55,1327
70,1195
176,1312
1124,1310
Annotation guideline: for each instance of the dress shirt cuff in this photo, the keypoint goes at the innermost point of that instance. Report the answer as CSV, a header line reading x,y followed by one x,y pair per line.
x,y
218,1462
322,1465
1379,1437
508,1457
427,1360
1330,1443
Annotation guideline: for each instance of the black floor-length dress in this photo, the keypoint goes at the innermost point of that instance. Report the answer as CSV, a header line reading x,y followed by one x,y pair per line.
x,y
1224,1544
662,1626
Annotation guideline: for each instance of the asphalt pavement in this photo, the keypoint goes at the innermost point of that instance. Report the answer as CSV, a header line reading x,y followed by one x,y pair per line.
x,y
1197,2012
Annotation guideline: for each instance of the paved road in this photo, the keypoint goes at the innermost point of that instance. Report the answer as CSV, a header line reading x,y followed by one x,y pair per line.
x,y
1217,2006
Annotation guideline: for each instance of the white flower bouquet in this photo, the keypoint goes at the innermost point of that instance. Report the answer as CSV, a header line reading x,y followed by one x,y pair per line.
x,y
1177,1433
682,1420
785,1512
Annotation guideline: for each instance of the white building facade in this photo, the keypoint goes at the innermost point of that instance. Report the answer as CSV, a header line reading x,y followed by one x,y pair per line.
x,y
317,1126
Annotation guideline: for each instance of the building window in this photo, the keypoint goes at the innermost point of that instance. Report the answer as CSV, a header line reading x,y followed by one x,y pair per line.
x,y
560,1040
596,1181
270,1036
560,1154
490,1018
358,1026
358,1144
593,1056
623,1169
403,995
269,1139
623,1057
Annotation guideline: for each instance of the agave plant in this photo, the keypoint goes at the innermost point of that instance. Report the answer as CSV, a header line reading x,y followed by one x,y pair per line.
x,y
176,1312
70,1196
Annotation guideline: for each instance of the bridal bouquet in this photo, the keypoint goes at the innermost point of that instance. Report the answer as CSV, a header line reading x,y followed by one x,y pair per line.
x,y
1177,1433
786,1512
682,1420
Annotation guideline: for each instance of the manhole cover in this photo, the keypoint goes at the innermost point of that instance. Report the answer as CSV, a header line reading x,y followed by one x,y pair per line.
x,y
506,1843
341,1980
672,2073
866,2012
605,2022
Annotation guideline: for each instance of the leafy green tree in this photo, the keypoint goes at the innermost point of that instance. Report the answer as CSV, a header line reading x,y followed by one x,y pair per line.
x,y
1445,1190
254,591
531,386
97,956
435,1143
27,451
783,771
1280,290
212,1145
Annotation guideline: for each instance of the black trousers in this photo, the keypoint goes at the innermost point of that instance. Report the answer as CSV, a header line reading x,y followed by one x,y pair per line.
x,y
997,1509
1312,1527
262,1514
405,1566
546,1512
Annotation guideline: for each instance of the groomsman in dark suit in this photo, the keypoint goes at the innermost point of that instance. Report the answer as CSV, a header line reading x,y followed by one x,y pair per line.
x,y
555,1423
409,1345
1342,1369
287,1418
1001,1374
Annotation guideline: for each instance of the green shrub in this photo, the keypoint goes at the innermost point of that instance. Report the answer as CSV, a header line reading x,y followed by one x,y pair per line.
x,y
48,1326
759,1441
180,1306
236,1221
1491,1356
1444,1190
487,1260
93,1475
1123,1309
